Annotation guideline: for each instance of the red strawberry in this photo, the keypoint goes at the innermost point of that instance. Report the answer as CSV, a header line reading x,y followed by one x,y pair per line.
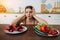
x,y
53,32
11,30
22,27
50,32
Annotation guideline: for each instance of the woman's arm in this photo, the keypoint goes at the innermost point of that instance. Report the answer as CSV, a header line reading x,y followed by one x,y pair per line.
x,y
40,20
18,20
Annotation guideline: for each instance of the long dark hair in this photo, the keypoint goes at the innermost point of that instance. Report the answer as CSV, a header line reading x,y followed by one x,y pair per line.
x,y
31,7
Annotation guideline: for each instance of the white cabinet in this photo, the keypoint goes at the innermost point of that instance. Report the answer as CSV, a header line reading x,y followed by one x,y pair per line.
x,y
8,18
50,18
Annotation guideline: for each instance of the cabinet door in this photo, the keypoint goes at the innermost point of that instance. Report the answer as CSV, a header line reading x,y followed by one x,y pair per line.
x,y
50,18
8,18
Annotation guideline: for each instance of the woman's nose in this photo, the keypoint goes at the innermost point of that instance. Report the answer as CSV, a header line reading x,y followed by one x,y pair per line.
x,y
28,13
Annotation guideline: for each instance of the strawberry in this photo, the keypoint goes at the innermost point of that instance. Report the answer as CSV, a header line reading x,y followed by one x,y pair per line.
x,y
11,30
20,29
53,32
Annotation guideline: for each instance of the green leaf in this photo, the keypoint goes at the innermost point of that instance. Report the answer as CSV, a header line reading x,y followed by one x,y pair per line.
x,y
39,25
51,27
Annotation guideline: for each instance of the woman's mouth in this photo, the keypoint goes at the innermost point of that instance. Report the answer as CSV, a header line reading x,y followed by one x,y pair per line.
x,y
28,16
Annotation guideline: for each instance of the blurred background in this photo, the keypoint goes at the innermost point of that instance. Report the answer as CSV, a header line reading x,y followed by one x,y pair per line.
x,y
41,6
48,10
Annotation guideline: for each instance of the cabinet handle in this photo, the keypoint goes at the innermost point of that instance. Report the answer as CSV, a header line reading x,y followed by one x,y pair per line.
x,y
16,16
5,16
49,16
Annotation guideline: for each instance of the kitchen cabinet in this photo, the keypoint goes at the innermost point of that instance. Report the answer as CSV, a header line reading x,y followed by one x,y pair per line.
x,y
53,19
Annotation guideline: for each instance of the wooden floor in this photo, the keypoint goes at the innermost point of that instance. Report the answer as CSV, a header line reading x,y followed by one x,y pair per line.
x,y
28,35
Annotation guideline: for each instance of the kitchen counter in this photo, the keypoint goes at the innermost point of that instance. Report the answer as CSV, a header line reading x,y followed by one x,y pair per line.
x,y
28,35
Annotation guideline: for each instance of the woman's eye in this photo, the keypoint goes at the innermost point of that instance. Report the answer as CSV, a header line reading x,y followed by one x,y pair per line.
x,y
30,11
26,12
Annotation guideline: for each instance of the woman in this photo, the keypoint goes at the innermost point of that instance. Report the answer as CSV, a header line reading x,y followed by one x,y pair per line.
x,y
29,17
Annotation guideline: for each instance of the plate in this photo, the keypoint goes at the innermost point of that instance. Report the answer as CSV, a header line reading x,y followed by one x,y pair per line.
x,y
38,32
16,32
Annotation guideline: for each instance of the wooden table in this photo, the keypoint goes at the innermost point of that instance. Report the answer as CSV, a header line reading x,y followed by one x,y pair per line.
x,y
28,35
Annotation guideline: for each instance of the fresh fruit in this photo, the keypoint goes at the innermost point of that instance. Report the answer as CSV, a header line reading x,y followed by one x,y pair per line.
x,y
11,30
53,32
38,26
50,32
44,28
14,27
51,27
40,33
22,27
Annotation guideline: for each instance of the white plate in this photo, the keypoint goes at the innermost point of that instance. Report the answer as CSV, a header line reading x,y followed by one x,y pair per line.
x,y
49,35
16,32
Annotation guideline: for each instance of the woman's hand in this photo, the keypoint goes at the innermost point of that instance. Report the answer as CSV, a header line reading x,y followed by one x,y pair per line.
x,y
40,20
24,13
33,11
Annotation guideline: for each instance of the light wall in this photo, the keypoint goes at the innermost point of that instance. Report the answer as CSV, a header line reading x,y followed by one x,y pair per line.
x,y
15,4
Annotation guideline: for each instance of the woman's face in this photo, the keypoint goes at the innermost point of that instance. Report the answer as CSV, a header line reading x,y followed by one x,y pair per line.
x,y
29,13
